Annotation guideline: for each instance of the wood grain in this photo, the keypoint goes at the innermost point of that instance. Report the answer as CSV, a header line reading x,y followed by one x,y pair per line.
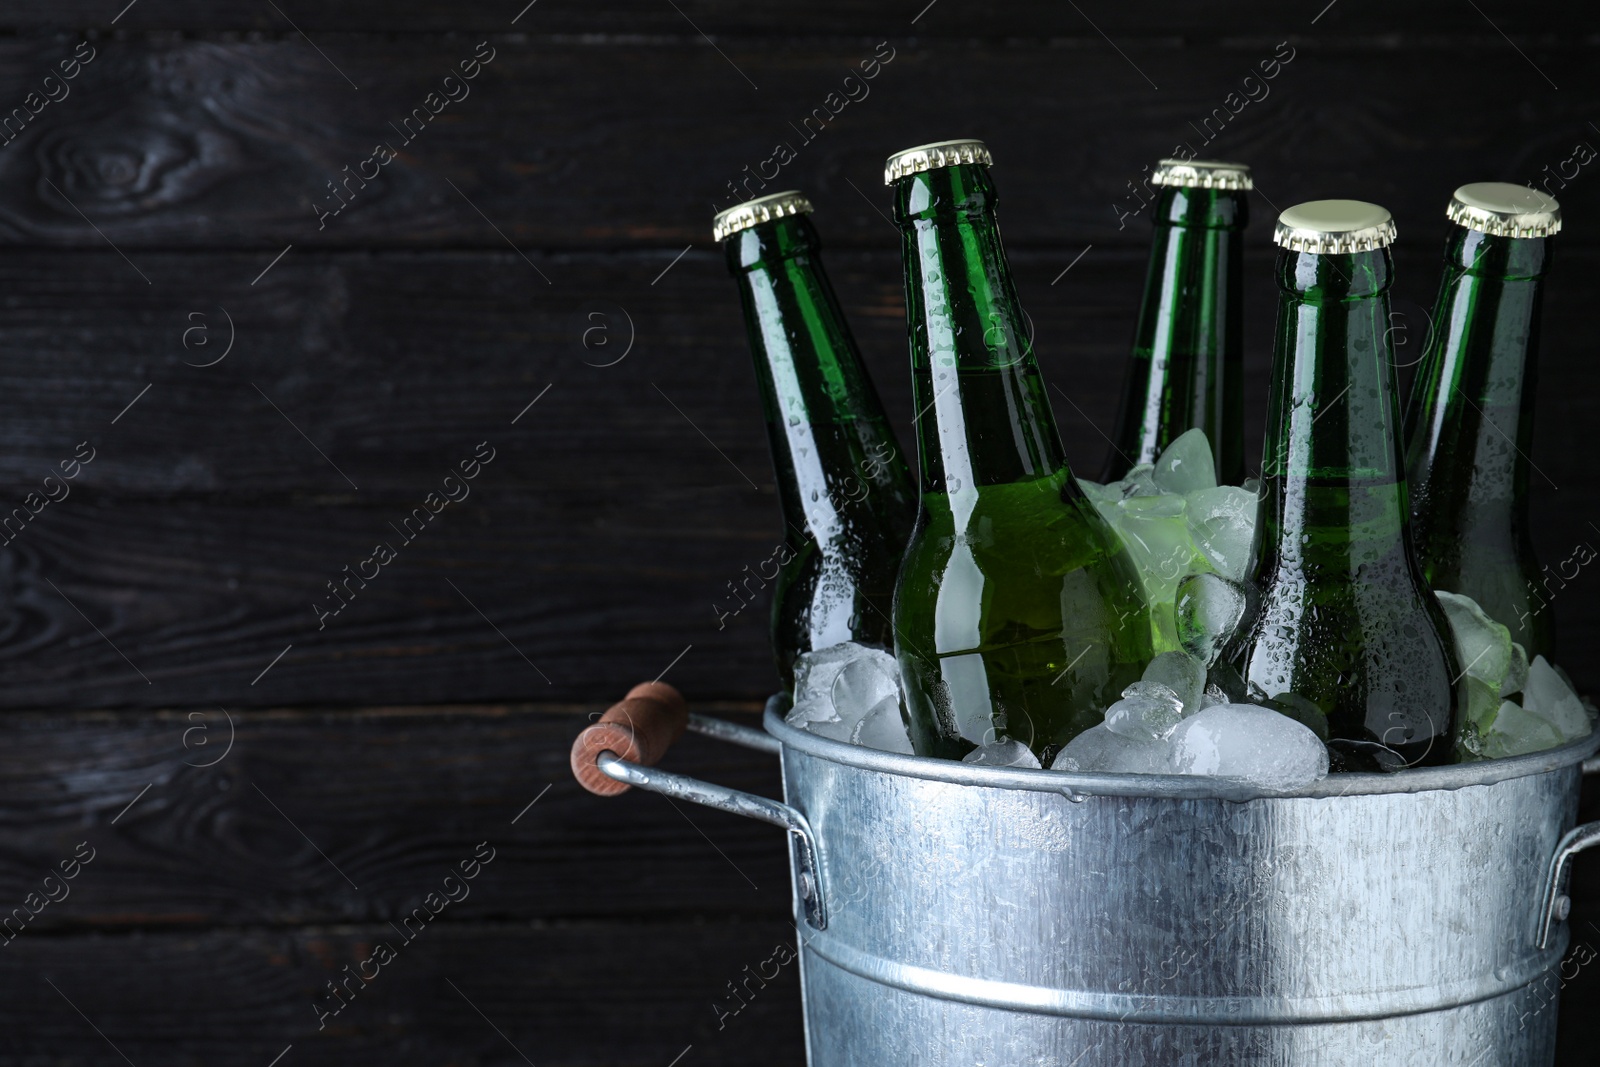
x,y
585,995
509,993
612,519
201,143
790,18
448,305
355,815
204,928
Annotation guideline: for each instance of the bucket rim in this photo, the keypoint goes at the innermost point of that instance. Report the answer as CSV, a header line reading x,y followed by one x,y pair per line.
x,y
1173,786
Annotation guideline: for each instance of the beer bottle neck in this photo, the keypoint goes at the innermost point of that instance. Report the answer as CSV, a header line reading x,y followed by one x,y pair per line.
x,y
1331,473
1331,415
831,444
1474,388
1188,341
1208,209
982,416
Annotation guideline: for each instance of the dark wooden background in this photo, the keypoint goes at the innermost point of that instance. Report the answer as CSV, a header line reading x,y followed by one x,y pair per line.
x,y
531,234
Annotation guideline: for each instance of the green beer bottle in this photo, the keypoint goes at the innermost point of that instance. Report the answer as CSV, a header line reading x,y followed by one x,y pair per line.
x,y
1346,622
1018,613
1469,426
1187,368
843,483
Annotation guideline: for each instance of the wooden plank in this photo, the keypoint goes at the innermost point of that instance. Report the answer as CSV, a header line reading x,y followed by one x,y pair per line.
x,y
355,816
393,368
1035,19
585,995
569,993
576,995
207,527
206,499
185,143
201,928
397,366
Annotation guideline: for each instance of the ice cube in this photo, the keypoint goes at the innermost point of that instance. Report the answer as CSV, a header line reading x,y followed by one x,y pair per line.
x,y
1222,522
1518,731
1137,482
1180,673
1006,753
1548,695
1517,676
1100,494
1186,464
1213,696
1156,535
1210,609
1301,711
884,729
1483,646
1249,743
1565,677
1153,506
839,688
1098,749
850,725
1147,711
1477,715
866,681
810,710
815,671
837,728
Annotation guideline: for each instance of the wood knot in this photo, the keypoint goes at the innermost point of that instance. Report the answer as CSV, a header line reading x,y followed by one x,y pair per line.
x,y
131,163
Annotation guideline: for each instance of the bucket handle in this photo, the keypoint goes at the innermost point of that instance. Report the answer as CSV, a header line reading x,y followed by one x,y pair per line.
x,y
1557,904
620,751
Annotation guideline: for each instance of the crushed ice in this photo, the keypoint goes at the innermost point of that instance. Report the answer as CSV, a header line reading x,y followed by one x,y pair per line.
x,y
1172,722
850,692
1190,541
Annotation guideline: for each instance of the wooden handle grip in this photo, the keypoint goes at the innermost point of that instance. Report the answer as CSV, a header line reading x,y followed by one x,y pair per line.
x,y
639,728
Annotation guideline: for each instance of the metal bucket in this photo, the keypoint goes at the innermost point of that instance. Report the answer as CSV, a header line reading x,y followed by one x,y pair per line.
x,y
959,915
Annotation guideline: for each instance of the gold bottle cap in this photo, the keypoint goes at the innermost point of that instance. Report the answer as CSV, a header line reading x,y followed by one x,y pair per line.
x,y
1334,226
1202,174
1505,210
755,212
935,155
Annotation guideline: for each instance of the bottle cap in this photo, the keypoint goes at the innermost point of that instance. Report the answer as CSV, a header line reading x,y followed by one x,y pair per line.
x,y
1334,226
755,212
1202,174
1505,210
935,155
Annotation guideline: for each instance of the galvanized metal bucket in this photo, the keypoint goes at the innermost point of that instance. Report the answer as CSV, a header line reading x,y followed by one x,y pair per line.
x,y
959,915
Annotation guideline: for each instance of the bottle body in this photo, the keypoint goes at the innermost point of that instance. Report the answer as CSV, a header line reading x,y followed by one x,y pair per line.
x,y
1469,432
843,484
1186,368
1346,620
1017,614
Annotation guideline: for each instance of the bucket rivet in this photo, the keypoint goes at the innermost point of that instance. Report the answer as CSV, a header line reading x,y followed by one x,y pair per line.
x,y
1563,908
807,891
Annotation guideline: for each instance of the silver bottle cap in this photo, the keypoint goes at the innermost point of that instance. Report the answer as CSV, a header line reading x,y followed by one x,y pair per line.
x,y
1202,174
755,212
935,155
1505,210
1334,226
